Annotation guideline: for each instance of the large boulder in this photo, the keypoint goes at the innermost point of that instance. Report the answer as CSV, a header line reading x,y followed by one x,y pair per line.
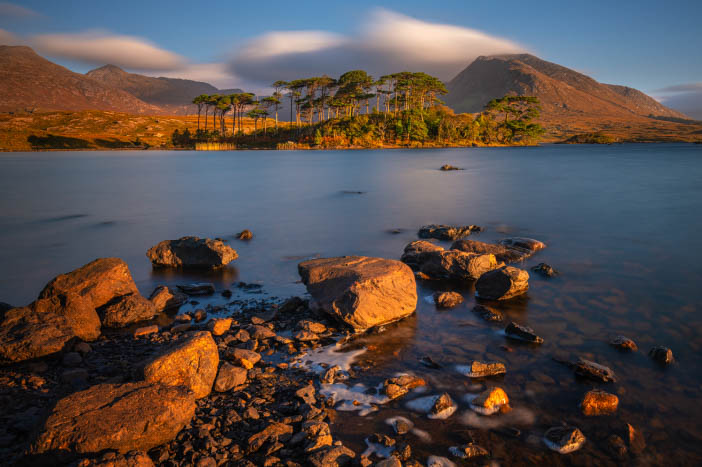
x,y
502,253
46,326
127,309
120,417
191,252
362,292
191,362
503,283
100,281
447,232
414,252
456,265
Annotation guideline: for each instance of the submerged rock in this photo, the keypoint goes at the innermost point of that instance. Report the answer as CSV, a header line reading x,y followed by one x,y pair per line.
x,y
594,371
490,401
447,167
447,232
201,288
545,270
564,439
487,313
598,402
502,284
360,291
624,343
412,255
481,370
456,265
662,355
447,299
191,252
502,253
522,333
164,298
443,407
526,245
127,309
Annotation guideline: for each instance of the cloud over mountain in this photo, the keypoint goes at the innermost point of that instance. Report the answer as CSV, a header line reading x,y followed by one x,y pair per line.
x,y
686,98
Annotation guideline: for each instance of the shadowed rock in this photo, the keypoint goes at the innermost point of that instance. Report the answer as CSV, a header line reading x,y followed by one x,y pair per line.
x,y
456,265
126,310
564,439
502,284
522,333
229,376
595,371
624,343
191,252
447,299
412,255
333,456
526,245
447,232
114,459
502,253
662,355
164,298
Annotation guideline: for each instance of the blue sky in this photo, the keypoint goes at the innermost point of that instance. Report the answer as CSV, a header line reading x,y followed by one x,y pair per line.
x,y
649,45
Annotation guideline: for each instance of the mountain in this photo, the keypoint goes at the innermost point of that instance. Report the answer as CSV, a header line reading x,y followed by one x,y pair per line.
x,y
28,81
172,94
570,101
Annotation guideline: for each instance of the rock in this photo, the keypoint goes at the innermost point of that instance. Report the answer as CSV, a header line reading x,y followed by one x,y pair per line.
x,y
662,355
82,347
333,456
244,235
127,309
447,299
47,326
242,335
261,332
468,451
393,391
306,394
456,265
203,288
183,318
244,357
311,326
594,371
447,232
616,446
481,370
199,315
624,343
190,362
429,362
360,291
412,255
100,281
636,440
72,359
219,326
178,328
391,461
318,435
332,374
272,432
564,439
442,404
447,167
439,461
191,252
401,385
502,284
306,336
490,401
229,376
523,244
120,417
522,333
113,459
146,330
487,313
502,253
598,402
164,298
545,270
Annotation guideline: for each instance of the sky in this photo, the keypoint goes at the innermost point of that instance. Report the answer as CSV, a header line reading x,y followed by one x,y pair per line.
x,y
653,46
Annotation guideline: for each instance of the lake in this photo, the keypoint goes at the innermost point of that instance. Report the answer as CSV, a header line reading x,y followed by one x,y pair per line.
x,y
622,225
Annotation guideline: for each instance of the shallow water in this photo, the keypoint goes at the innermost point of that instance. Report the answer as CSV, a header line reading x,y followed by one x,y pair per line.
x,y
621,224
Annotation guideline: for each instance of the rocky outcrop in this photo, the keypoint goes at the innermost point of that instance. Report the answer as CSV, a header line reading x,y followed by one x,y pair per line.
x,y
46,326
127,309
100,281
502,253
192,363
447,232
164,298
360,291
502,284
191,252
120,417
456,265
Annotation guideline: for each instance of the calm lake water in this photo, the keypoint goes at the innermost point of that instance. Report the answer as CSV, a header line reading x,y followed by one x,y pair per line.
x,y
622,225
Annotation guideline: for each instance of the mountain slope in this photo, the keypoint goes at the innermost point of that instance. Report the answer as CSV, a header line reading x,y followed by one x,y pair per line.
x,y
28,81
174,95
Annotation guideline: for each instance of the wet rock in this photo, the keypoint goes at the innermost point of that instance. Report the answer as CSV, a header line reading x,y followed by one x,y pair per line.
x,y
598,402
306,336
261,332
564,439
447,232
662,355
120,417
456,265
487,313
311,326
333,456
219,326
204,288
442,404
447,167
391,461
244,357
332,374
616,446
401,385
191,252
318,435
183,318
362,292
594,371
145,331
272,432
502,284
115,459
164,298
190,362
502,253
490,401
624,343
481,370
522,333
100,281
244,235
199,315
401,425
468,451
523,244
447,299
636,440
544,270
429,362
229,376
46,326
306,394
412,255
127,309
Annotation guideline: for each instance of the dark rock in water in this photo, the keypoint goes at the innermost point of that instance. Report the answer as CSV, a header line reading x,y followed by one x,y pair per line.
x,y
468,451
527,245
203,288
352,192
487,313
598,402
395,231
429,362
127,309
332,374
616,446
624,343
502,284
636,440
306,394
545,270
199,315
490,401
502,253
414,251
456,265
115,459
401,385
164,298
447,232
402,426
447,299
662,355
523,333
333,456
564,439
447,167
244,235
191,252
481,370
594,371
443,403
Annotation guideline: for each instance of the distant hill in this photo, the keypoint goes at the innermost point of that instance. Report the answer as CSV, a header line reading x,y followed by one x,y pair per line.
x,y
172,94
30,82
562,91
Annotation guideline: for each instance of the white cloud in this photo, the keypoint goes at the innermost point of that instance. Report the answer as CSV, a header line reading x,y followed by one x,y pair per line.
x,y
7,38
685,98
216,74
11,10
387,42
99,48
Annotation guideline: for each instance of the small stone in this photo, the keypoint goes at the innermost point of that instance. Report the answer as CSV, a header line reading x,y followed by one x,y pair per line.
x,y
545,270
183,318
448,167
318,435
468,451
219,326
391,461
306,336
488,314
523,333
393,391
203,288
598,402
199,315
178,328
229,376
447,299
624,343
311,326
564,440
442,404
307,394
490,401
334,456
261,332
251,413
242,335
662,355
401,425
429,362
82,347
480,370
594,371
332,374
244,357
145,331
244,235
616,446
